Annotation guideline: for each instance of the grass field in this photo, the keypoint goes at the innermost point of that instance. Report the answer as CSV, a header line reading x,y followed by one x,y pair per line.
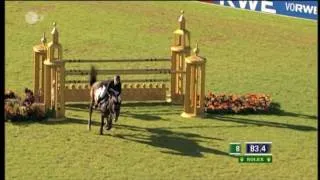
x,y
246,52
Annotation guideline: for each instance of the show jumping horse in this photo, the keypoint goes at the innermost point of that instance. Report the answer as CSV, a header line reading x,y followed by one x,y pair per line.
x,y
110,107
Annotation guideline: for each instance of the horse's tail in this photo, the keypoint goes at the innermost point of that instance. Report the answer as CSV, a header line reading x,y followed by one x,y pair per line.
x,y
93,76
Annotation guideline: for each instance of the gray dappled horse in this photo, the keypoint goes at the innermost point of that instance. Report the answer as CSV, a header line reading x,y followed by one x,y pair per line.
x,y
110,107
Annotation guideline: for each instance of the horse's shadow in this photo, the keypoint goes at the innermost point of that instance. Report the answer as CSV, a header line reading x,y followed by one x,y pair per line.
x,y
169,141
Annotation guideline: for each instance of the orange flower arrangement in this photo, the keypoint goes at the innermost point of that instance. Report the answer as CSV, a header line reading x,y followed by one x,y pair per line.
x,y
237,103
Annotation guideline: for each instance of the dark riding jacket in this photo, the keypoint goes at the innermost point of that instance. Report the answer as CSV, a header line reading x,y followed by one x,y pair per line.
x,y
109,84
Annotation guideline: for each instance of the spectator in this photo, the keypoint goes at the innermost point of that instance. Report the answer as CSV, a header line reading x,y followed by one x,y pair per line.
x,y
9,95
29,100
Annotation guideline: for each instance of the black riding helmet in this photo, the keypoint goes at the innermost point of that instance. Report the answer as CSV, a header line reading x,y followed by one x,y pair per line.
x,y
116,78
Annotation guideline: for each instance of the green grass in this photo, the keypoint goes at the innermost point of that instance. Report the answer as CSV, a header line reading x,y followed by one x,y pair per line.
x,y
246,52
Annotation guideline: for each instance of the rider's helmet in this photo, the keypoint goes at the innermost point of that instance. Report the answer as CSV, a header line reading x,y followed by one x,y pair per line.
x,y
116,79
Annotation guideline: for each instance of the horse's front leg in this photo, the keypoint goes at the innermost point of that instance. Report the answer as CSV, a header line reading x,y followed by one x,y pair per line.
x,y
117,113
101,125
90,116
105,126
109,122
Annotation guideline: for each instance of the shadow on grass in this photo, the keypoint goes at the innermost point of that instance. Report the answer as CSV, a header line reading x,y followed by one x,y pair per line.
x,y
274,109
72,121
170,141
261,123
175,143
146,117
56,122
139,112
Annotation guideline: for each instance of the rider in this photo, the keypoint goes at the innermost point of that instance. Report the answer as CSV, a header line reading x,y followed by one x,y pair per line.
x,y
112,87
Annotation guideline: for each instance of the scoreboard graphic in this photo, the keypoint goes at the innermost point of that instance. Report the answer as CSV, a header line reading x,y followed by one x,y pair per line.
x,y
255,152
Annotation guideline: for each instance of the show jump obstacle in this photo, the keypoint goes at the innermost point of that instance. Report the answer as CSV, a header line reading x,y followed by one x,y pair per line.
x,y
187,76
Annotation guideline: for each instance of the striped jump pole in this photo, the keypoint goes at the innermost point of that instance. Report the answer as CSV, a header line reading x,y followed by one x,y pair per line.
x,y
124,81
123,71
116,60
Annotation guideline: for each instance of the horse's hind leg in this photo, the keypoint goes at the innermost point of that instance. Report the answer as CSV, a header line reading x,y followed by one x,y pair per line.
x,y
90,115
117,113
101,125
109,121
105,125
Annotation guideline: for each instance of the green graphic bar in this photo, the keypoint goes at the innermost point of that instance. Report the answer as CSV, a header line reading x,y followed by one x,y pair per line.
x,y
234,148
255,159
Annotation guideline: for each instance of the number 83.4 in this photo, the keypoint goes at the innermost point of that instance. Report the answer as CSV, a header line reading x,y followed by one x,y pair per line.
x,y
257,148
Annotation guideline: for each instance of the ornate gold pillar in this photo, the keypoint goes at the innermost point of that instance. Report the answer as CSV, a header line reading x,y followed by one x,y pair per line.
x,y
179,50
195,84
54,86
39,54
